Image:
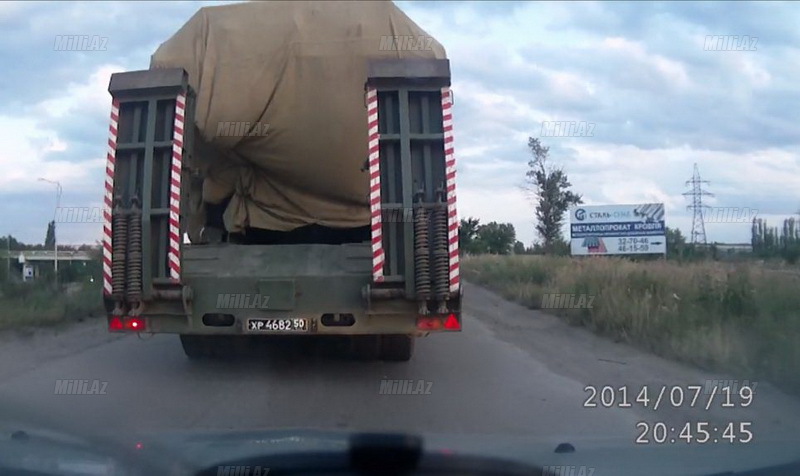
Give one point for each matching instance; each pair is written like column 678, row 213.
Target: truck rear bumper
column 326, row 287
column 367, row 325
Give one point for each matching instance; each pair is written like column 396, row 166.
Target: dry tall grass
column 36, row 304
column 741, row 318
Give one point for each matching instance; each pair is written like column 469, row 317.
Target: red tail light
column 115, row 323
column 429, row 323
column 438, row 323
column 120, row 323
column 134, row 324
column 452, row 323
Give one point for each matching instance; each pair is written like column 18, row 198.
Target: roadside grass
column 37, row 304
column 737, row 318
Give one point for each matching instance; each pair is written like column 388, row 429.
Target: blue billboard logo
column 580, row 214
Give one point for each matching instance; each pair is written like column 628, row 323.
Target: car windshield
column 502, row 226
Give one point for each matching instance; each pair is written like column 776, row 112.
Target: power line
column 697, row 207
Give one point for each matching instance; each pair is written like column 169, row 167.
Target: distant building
column 734, row 247
column 28, row 263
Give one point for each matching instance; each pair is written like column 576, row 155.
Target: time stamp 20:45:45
column 693, row 432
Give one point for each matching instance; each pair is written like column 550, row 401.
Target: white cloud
column 11, row 9
column 89, row 97
column 570, row 86
column 21, row 157
column 672, row 71
column 509, row 205
column 26, row 142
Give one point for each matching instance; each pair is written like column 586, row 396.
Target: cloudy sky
column 658, row 100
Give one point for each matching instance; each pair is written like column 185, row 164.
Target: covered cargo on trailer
column 280, row 112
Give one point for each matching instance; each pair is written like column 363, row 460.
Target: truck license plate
column 280, row 325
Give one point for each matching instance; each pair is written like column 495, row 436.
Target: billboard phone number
column 633, row 244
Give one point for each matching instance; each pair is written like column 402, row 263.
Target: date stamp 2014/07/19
column 675, row 396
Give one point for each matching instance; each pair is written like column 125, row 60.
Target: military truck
column 268, row 177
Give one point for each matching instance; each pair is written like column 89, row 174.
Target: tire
column 366, row 347
column 397, row 348
column 195, row 347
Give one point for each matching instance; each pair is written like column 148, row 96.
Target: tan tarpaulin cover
column 300, row 68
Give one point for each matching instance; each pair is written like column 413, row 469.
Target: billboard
column 618, row 229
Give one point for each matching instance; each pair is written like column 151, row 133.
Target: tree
column 519, row 248
column 769, row 242
column 13, row 245
column 497, row 238
column 549, row 186
column 676, row 243
column 50, row 238
column 468, row 236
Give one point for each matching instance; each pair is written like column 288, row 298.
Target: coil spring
column 119, row 236
column 422, row 265
column 134, row 280
column 441, row 261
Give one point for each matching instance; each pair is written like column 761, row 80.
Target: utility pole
column 55, row 215
column 697, row 207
